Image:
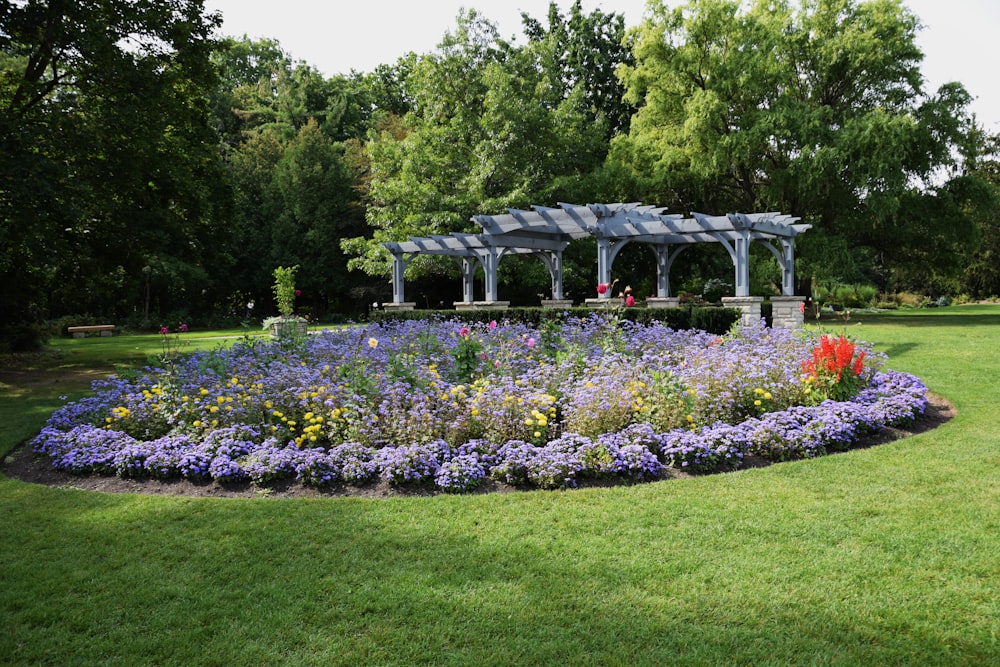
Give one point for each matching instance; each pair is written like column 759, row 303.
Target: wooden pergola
column 546, row 232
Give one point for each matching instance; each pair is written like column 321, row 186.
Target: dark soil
column 24, row 465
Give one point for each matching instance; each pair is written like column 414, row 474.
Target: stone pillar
column 748, row 305
column 787, row 312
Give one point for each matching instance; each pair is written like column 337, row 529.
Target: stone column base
column 404, row 305
column 663, row 302
column 482, row 305
column 748, row 305
column 604, row 303
column 787, row 312
column 557, row 303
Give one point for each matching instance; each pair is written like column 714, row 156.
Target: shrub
column 22, row 337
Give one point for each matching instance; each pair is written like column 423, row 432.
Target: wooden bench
column 102, row 329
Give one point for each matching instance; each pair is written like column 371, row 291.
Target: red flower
column 164, row 330
column 298, row 292
column 859, row 363
column 629, row 301
column 602, row 288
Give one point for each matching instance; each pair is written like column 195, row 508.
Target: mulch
column 24, row 465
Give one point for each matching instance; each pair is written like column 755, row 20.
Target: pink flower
column 629, row 301
column 184, row 328
column 802, row 307
column 463, row 332
column 482, row 355
column 530, row 342
column 164, row 330
column 602, row 288
column 493, row 325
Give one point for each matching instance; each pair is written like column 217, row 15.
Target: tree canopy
column 818, row 110
column 108, row 166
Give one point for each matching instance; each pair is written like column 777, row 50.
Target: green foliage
column 22, row 337
column 108, row 160
column 467, row 356
column 818, row 111
column 711, row 319
column 981, row 277
column 490, row 126
column 284, row 289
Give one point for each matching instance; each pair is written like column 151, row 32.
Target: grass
column 878, row 556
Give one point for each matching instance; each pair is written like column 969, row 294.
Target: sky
column 335, row 38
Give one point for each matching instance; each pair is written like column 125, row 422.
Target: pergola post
column 604, row 261
column 663, row 262
column 741, row 260
column 468, row 279
column 399, row 262
column 490, row 261
column 788, row 267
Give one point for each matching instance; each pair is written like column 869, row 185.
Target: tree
column 107, row 160
column 584, row 51
column 981, row 277
column 818, row 111
column 488, row 128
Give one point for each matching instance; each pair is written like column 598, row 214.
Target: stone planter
column 289, row 328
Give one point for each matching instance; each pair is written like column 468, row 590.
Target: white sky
column 958, row 41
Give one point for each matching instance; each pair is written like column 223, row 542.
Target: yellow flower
column 757, row 403
column 767, row 395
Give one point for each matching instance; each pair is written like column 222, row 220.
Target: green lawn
column 881, row 556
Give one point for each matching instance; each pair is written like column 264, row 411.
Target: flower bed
column 447, row 405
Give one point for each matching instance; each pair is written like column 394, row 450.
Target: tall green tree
column 489, row 127
column 582, row 51
column 817, row 110
column 981, row 277
column 284, row 127
column 110, row 189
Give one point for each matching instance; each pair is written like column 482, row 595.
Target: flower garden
column 445, row 405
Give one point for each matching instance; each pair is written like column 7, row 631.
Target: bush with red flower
column 835, row 368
